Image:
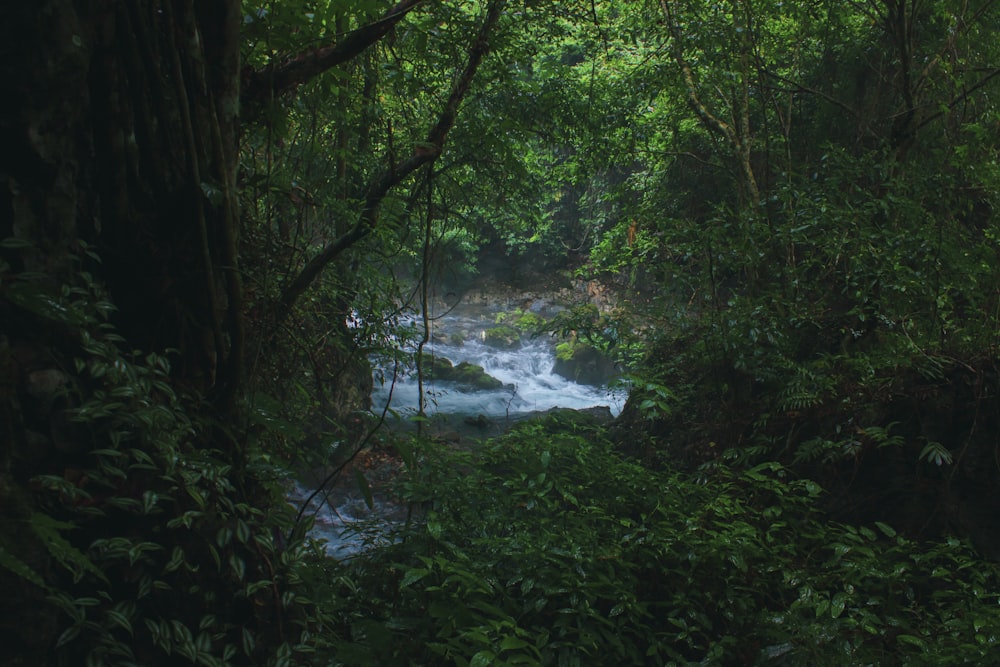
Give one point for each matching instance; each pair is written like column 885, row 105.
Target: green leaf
column 13, row 243
column 238, row 566
column 936, row 453
column 47, row 529
column 886, row 529
column 266, row 412
column 513, row 643
column 364, row 487
column 14, row 564
column 412, row 576
column 912, row 641
column 837, row 605
column 822, row 606
column 248, row 642
column 41, row 301
column 242, row 531
column 120, row 619
column 69, row 634
column 482, row 659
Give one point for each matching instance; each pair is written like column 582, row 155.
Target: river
column 525, row 369
column 342, row 518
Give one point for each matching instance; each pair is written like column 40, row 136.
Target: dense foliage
column 214, row 215
column 547, row 547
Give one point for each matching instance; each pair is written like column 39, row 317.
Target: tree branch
column 424, row 153
column 958, row 98
column 710, row 120
column 813, row 91
column 282, row 77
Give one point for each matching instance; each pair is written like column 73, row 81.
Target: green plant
column 150, row 541
column 548, row 547
column 524, row 321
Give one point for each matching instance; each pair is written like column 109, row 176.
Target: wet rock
column 468, row 375
column 585, row 364
column 561, row 420
column 479, row 421
column 45, row 383
column 473, row 375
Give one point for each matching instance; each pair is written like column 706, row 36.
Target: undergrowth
column 135, row 531
column 547, row 547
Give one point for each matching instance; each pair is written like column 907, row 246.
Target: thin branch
column 958, row 98
column 818, row 93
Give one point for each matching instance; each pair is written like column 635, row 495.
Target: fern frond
column 47, row 529
column 14, row 564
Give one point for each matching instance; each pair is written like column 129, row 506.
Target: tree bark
column 736, row 133
column 125, row 138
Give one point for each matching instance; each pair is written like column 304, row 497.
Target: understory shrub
column 548, row 548
column 136, row 531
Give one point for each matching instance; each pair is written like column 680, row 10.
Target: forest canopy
column 221, row 222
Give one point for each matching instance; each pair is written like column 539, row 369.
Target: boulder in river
column 467, row 374
column 583, row 363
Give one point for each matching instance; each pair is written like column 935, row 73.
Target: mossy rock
column 438, row 368
column 521, row 320
column 455, row 338
column 473, row 375
column 569, row 420
column 583, row 363
column 466, row 374
column 502, row 337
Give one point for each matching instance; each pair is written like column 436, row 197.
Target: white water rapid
column 526, row 371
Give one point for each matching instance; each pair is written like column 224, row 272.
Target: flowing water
column 343, row 519
column 526, row 371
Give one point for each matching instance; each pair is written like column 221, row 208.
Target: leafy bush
column 549, row 548
column 144, row 533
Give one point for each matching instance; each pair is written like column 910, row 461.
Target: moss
column 529, row 321
column 504, row 337
column 564, row 350
column 521, row 320
column 583, row 363
column 473, row 375
column 437, row 367
column 466, row 374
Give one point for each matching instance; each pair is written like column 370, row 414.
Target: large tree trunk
column 123, row 136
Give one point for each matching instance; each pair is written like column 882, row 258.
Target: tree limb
column 736, row 133
column 424, row 153
column 278, row 78
column 959, row 98
column 710, row 120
